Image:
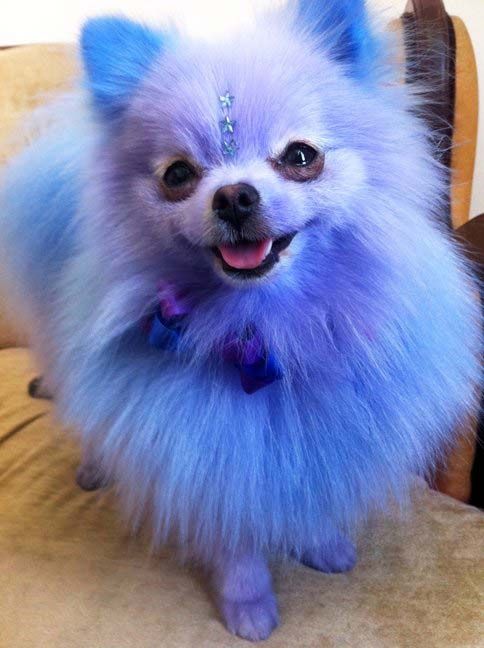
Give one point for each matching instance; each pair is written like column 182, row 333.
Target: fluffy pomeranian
column 230, row 260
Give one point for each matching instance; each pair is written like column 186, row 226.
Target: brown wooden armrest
column 440, row 60
column 472, row 235
column 463, row 472
column 430, row 54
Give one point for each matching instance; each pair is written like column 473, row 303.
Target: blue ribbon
column 260, row 374
column 164, row 333
column 258, row 367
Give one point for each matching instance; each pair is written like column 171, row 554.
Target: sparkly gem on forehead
column 227, row 125
column 229, row 148
column 226, row 100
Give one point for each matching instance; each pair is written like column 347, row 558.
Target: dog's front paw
column 334, row 557
column 244, row 595
column 253, row 620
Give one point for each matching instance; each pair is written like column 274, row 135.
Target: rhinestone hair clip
column 227, row 125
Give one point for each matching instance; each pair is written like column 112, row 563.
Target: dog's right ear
column 344, row 30
column 117, row 53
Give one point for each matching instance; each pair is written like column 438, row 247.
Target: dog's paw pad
column 337, row 557
column 251, row 620
column 89, row 477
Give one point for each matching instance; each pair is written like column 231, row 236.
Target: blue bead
column 161, row 336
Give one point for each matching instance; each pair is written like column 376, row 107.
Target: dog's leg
column 243, row 591
column 90, row 475
column 38, row 389
column 334, row 556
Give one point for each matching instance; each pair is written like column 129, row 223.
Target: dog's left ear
column 344, row 30
column 117, row 53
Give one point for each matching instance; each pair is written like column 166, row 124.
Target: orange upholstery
column 465, row 125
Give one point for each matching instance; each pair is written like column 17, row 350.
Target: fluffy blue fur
column 345, row 24
column 373, row 317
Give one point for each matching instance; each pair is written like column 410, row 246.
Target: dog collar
column 257, row 366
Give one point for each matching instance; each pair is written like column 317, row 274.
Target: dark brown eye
column 179, row 180
column 299, row 155
column 300, row 162
column 178, row 174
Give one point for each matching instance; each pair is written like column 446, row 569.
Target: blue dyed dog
column 230, row 261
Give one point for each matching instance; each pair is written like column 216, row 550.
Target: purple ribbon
column 257, row 366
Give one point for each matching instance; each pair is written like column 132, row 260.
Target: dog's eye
column 300, row 162
column 179, row 180
column 178, row 174
column 299, row 155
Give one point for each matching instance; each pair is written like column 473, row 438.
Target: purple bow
column 257, row 366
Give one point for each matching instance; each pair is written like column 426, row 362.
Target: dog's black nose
column 234, row 203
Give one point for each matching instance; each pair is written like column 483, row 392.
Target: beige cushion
column 29, row 75
column 72, row 577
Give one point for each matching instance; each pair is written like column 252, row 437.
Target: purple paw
column 335, row 557
column 90, row 477
column 244, row 595
column 251, row 620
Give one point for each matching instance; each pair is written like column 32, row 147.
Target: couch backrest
column 28, row 74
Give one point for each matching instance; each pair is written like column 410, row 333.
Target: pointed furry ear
column 117, row 53
column 344, row 30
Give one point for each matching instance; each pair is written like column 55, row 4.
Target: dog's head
column 240, row 156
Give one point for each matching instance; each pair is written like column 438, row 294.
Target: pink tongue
column 245, row 256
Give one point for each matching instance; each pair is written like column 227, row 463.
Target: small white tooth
column 268, row 248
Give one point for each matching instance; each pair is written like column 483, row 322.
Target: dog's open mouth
column 251, row 259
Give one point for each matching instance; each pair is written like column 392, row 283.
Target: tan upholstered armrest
column 465, row 125
column 28, row 76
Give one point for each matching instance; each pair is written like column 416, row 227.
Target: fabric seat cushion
column 72, row 576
